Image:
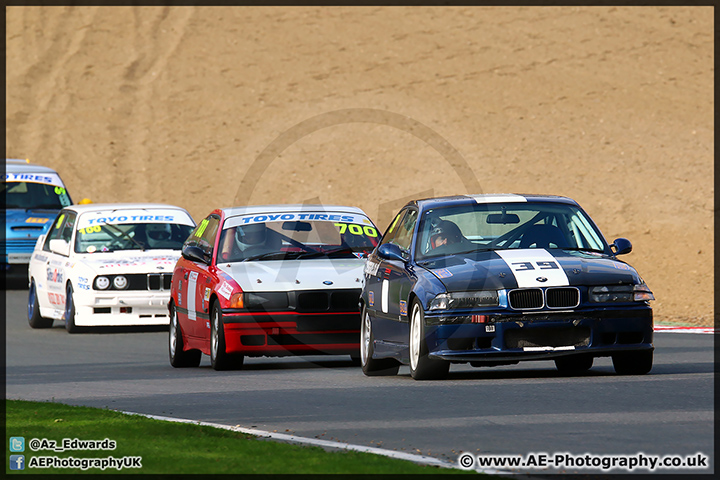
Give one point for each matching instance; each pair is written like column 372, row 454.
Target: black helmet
column 445, row 229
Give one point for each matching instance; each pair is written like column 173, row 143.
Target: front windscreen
column 34, row 196
column 297, row 236
column 500, row 226
column 131, row 236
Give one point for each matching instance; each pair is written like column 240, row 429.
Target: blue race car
column 495, row 279
column 33, row 196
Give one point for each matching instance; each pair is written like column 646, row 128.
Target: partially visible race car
column 496, row 279
column 106, row 265
column 32, row 195
column 270, row 280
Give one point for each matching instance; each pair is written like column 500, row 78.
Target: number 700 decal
column 541, row 265
column 357, row 229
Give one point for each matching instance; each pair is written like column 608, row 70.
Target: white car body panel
column 287, row 275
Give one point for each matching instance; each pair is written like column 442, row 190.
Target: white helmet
column 157, row 233
column 253, row 234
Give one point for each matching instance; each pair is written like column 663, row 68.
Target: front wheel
column 370, row 366
column 70, row 311
column 180, row 358
column 219, row 358
column 421, row 366
column 34, row 318
column 633, row 363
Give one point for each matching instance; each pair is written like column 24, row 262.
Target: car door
column 195, row 280
column 50, row 273
column 393, row 282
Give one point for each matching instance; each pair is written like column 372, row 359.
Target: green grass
column 168, row 447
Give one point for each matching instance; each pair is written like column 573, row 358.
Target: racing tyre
column 633, row 363
column 422, row 367
column 70, row 311
column 219, row 358
column 180, row 358
column 34, row 318
column 370, row 366
column 574, row 364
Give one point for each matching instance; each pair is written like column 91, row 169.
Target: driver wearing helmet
column 445, row 233
column 158, row 235
column 250, row 239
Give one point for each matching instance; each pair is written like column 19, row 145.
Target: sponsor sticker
column 297, row 216
column 442, row 273
column 225, row 290
column 46, row 178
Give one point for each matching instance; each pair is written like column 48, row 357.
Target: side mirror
column 390, row 251
column 621, row 246
column 194, row 254
column 59, row 246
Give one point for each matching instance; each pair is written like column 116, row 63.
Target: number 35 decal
column 541, row 265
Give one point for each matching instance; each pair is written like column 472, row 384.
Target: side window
column 67, row 228
column 393, row 229
column 56, row 229
column 405, row 230
column 204, row 234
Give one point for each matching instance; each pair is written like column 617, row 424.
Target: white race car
column 106, row 265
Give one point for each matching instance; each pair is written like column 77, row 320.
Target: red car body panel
column 288, row 331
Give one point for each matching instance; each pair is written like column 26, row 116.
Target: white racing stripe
column 190, row 295
column 531, row 265
column 498, row 198
column 384, row 296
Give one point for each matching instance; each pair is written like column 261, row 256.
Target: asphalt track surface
column 519, row 409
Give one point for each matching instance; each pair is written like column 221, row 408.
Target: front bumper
column 541, row 336
column 122, row 309
column 291, row 333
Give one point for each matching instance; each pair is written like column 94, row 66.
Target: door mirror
column 621, row 246
column 195, row 254
column 59, row 246
column 390, row 251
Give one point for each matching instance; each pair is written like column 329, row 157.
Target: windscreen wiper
column 265, row 256
column 124, row 234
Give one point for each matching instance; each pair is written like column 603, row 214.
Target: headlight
column 102, row 283
column 620, row 293
column 482, row 298
column 120, row 282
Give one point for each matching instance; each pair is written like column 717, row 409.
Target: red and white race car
column 270, row 280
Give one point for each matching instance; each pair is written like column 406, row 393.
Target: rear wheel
column 421, row 366
column 574, row 364
column 180, row 358
column 70, row 311
column 633, row 363
column 370, row 366
column 219, row 358
column 34, row 318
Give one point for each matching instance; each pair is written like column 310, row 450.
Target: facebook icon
column 17, row 462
